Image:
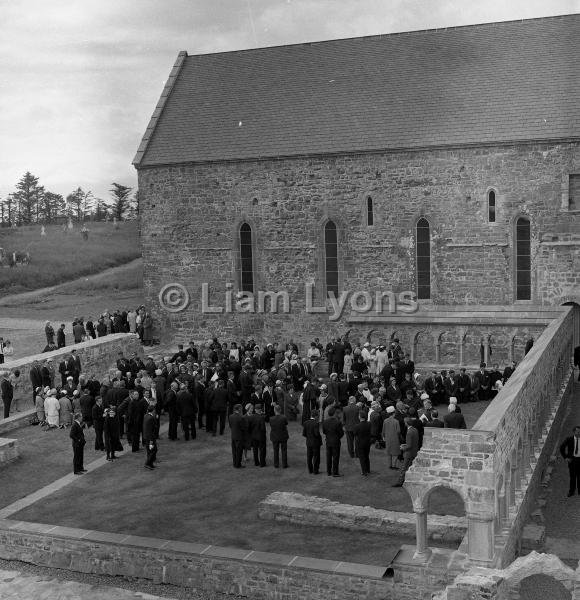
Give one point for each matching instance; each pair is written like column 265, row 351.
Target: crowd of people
column 377, row 399
column 137, row 321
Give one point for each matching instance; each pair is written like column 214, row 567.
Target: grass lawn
column 196, row 495
column 59, row 256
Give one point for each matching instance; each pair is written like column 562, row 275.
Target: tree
column 99, row 210
column 7, row 210
column 79, row 203
column 120, row 195
column 27, row 195
column 51, row 206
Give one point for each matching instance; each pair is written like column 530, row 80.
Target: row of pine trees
column 32, row 203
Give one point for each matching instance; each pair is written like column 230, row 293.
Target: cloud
column 81, row 78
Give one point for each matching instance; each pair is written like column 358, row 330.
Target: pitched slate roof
column 498, row 82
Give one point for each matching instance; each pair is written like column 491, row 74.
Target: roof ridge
column 379, row 36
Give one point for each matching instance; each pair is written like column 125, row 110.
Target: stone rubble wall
column 97, row 358
column 287, row 202
column 290, row 507
column 243, row 573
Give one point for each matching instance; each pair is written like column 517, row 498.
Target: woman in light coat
column 52, row 410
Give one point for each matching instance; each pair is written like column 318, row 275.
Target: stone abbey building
column 442, row 163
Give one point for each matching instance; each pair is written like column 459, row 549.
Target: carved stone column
column 480, row 538
column 422, row 551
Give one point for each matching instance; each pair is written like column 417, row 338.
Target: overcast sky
column 79, row 79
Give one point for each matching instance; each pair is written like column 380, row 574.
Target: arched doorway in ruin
column 541, row 587
column 445, row 505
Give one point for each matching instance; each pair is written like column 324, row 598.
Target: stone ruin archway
column 421, row 496
column 539, row 577
column 541, row 587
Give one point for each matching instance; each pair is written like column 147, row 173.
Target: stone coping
column 16, row 421
column 42, row 356
column 7, row 442
column 490, row 420
column 292, row 507
column 197, row 550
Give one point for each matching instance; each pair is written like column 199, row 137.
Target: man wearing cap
column 257, row 433
column 333, row 431
column 78, row 443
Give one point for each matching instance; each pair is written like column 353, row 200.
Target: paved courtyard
column 196, row 495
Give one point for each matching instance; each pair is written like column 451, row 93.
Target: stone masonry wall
column 97, row 358
column 256, row 575
column 191, row 216
column 290, row 507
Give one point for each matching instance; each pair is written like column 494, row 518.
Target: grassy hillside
column 58, row 256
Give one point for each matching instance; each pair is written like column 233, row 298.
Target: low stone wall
column 16, row 421
column 290, row 507
column 8, row 450
column 97, row 358
column 250, row 574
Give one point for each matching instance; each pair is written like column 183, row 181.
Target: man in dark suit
column 186, row 410
column 338, row 356
column 570, row 451
column 257, row 433
column 279, row 437
column 450, row 385
column 362, row 439
column 463, row 386
column 35, row 377
column 508, row 371
column 123, row 364
column 239, row 429
column 350, row 416
column 7, row 390
column 78, row 443
column 219, row 407
column 98, row 422
column 435, row 421
column 481, row 384
column 453, row 419
column 150, row 437
column 170, row 405
column 60, row 337
column 311, row 431
column 333, row 431
column 410, row 449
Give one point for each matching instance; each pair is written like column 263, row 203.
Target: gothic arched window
column 246, row 259
column 331, row 257
column 523, row 259
column 423, row 251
